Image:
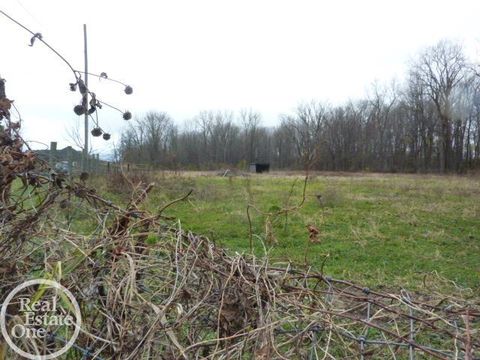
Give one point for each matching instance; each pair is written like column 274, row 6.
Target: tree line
column 429, row 123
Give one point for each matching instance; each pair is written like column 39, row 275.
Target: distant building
column 65, row 154
column 259, row 168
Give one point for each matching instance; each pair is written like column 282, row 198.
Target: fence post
column 313, row 351
column 2, row 88
column 412, row 335
column 97, row 163
column 468, row 343
column 69, row 160
column 363, row 338
column 52, row 154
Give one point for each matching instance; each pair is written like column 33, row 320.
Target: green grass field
column 378, row 230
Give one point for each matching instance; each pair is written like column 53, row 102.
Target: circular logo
column 42, row 314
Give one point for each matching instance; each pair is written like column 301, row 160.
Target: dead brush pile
column 149, row 290
column 124, row 183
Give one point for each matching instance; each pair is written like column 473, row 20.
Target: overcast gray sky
column 186, row 56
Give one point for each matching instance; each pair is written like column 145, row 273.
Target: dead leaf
column 313, row 234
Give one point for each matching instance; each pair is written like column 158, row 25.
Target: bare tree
column 149, row 139
column 306, row 126
column 432, row 123
column 250, row 122
column 75, row 136
column 441, row 68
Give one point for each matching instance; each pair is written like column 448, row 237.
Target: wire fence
column 381, row 325
column 406, row 341
column 69, row 161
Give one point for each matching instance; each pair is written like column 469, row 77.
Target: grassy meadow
column 375, row 229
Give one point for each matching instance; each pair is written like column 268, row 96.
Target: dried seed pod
column 106, row 136
column 127, row 115
column 81, row 86
column 128, row 90
column 93, row 100
column 96, row 132
column 79, row 110
column 73, row 87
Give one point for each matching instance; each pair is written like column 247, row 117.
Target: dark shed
column 259, row 168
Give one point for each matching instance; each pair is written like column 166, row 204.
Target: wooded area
column 430, row 123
